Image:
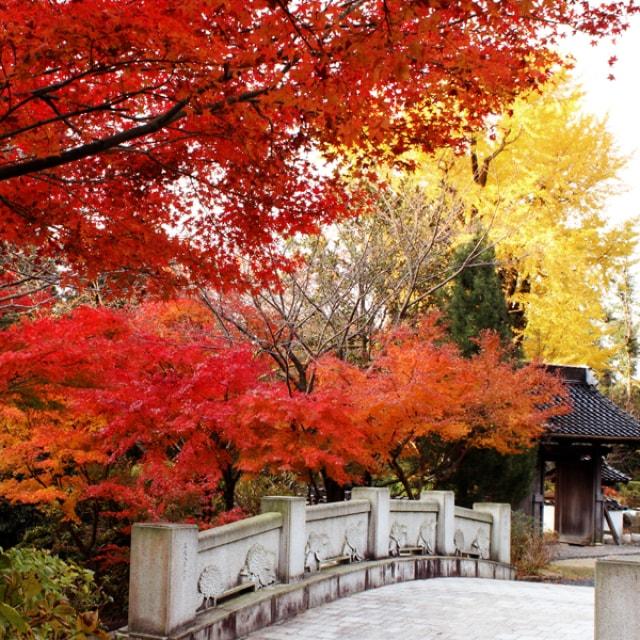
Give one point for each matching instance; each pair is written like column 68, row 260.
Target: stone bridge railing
column 227, row 581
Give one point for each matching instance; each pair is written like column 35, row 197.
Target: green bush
column 488, row 476
column 529, row 551
column 42, row 597
column 15, row 521
column 630, row 494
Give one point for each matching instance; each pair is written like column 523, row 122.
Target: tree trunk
column 335, row 491
column 230, row 477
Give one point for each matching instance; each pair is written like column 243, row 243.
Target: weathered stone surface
column 239, row 530
column 486, row 570
column 504, row 572
column 501, row 529
column 333, row 530
column 253, row 617
column 289, row 604
column 472, row 533
column 446, row 519
column 322, row 591
column 389, row 572
column 406, row 570
column 215, row 624
column 617, row 613
column 223, row 630
column 426, row 568
column 468, row 568
column 259, row 567
column 232, row 550
column 375, row 577
column 378, row 535
column 355, row 542
column 293, row 538
column 237, row 617
column 315, row 553
column 350, row 583
column 163, row 578
column 449, row 567
column 412, row 527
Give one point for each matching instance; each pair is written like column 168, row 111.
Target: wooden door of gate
column 577, row 494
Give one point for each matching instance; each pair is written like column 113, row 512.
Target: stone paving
column 448, row 609
column 563, row 551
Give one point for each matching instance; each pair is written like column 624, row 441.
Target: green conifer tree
column 476, row 303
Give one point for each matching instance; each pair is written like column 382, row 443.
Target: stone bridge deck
column 448, row 609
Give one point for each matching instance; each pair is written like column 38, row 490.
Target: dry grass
column 530, row 553
column 569, row 573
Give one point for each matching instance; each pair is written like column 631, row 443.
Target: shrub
column 529, row 551
column 630, row 495
column 486, row 475
column 15, row 521
column 250, row 489
column 43, row 597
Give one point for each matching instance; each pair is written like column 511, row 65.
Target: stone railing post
column 617, row 613
column 500, row 529
column 294, row 536
column 445, row 529
column 163, row 578
column 378, row 536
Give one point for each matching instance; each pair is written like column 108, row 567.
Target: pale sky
column 619, row 99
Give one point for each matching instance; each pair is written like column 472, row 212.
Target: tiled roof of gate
column 611, row 475
column 593, row 416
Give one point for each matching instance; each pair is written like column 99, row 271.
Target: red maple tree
column 148, row 413
column 166, row 141
column 71, row 390
column 419, row 387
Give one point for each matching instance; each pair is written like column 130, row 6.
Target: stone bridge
column 226, row 582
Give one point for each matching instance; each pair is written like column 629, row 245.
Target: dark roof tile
column 611, row 475
column 593, row 416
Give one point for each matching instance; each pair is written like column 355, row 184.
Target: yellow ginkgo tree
column 538, row 180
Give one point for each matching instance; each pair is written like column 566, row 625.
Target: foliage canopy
column 172, row 142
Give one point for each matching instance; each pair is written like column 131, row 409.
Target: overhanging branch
column 93, row 148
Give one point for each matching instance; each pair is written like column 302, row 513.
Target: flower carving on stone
column 315, row 551
column 426, row 537
column 458, row 542
column 481, row 544
column 352, row 542
column 259, row 567
column 397, row 538
column 211, row 584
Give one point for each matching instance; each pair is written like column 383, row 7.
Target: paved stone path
column 448, row 609
column 563, row 551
